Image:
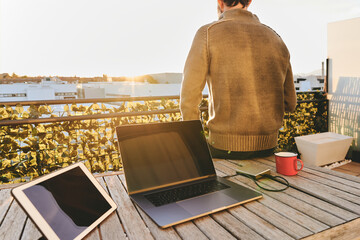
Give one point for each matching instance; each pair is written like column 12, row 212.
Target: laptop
column 170, row 174
column 65, row 204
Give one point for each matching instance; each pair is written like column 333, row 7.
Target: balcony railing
column 41, row 136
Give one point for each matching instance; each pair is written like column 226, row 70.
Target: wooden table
column 321, row 204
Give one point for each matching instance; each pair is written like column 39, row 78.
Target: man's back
column 247, row 68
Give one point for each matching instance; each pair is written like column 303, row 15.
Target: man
column 247, row 68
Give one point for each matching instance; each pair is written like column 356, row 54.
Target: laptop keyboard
column 185, row 192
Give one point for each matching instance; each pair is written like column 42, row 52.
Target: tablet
column 66, row 204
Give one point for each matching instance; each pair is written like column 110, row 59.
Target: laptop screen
column 163, row 153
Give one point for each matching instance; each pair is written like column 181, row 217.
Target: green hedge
column 31, row 150
column 309, row 118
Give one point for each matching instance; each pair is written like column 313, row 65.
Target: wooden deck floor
column 352, row 168
column 319, row 204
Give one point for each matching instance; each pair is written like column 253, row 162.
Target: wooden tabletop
column 320, row 204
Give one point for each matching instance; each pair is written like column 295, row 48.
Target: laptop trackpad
column 207, row 203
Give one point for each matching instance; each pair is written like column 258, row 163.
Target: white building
column 308, row 83
column 48, row 89
column 174, row 78
column 131, row 89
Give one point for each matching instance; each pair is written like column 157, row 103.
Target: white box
column 323, row 148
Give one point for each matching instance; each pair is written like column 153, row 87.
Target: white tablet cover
column 66, row 204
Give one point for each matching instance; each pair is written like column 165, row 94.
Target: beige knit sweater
column 247, row 68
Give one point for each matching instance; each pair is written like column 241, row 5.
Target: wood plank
column 323, row 205
column 332, row 183
column 157, row 232
column 13, row 224
column 93, row 235
column 313, row 200
column 111, row 227
column 220, row 174
column 345, row 171
column 298, row 211
column 105, row 174
column 302, row 207
column 134, row 226
column 30, row 231
column 344, row 199
column 236, row 227
column 347, row 231
column 333, row 178
column 227, row 172
column 281, row 222
column 189, row 231
column 334, row 196
column 212, row 229
column 123, row 181
column 302, row 201
column 10, row 185
column 5, row 201
column 327, row 182
column 221, row 166
column 291, row 214
column 352, row 167
column 335, row 173
column 262, row 227
column 324, row 170
column 171, row 232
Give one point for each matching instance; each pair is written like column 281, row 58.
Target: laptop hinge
column 173, row 184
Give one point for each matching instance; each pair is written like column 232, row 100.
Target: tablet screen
column 68, row 202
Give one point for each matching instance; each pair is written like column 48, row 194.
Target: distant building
column 308, row 83
column 130, row 89
column 167, row 77
column 88, row 91
column 50, row 88
column 10, row 80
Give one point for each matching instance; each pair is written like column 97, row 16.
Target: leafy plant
column 31, row 150
column 310, row 117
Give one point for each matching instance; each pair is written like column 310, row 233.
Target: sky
column 130, row 38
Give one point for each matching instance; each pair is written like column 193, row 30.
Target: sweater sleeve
column 289, row 91
column 194, row 78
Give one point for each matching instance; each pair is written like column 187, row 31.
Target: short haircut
column 231, row 3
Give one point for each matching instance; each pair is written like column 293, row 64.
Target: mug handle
column 302, row 164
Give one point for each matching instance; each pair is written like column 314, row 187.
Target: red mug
column 287, row 163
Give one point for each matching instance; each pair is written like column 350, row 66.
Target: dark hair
column 232, row 3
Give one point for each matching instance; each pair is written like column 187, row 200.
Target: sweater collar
column 239, row 14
